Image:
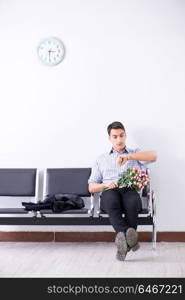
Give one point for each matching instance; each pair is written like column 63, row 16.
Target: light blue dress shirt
column 106, row 168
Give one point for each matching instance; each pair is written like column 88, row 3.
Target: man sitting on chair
column 114, row 200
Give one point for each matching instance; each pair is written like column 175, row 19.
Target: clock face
column 51, row 51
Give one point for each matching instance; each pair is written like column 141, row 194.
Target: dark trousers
column 117, row 201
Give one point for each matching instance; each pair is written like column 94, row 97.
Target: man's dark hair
column 115, row 125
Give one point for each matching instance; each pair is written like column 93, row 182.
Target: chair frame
column 91, row 218
column 66, row 214
column 18, row 217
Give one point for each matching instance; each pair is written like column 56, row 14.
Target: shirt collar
column 124, row 151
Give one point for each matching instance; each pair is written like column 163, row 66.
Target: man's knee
column 131, row 194
column 110, row 199
column 133, row 199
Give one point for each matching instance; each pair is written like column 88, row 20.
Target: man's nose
column 119, row 140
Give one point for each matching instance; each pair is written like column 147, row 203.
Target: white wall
column 124, row 61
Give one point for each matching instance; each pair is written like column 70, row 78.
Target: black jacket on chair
column 57, row 203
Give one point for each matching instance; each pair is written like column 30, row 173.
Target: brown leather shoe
column 121, row 244
column 132, row 239
column 136, row 247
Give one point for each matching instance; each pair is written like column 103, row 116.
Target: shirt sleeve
column 142, row 162
column 96, row 175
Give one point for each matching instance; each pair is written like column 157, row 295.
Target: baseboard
column 25, row 236
column 42, row 236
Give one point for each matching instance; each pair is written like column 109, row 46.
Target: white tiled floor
column 90, row 260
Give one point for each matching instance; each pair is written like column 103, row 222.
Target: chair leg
column 154, row 236
column 154, row 232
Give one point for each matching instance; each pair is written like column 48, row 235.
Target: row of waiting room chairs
column 24, row 182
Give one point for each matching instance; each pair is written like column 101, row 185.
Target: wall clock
column 51, row 51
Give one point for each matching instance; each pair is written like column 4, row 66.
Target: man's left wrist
column 128, row 157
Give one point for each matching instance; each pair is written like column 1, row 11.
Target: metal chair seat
column 67, row 211
column 13, row 211
column 144, row 211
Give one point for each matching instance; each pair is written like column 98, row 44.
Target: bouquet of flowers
column 133, row 178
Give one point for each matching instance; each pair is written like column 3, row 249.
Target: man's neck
column 120, row 150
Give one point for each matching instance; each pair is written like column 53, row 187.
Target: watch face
column 51, row 51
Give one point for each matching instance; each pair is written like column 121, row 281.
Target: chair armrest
column 150, row 195
column 92, row 205
column 151, row 198
column 98, row 208
column 94, row 198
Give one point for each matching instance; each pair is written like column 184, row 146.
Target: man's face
column 117, row 137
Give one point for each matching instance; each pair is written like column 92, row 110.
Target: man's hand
column 100, row 187
column 122, row 159
column 110, row 185
column 143, row 156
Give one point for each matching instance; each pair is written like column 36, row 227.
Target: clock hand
column 50, row 51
